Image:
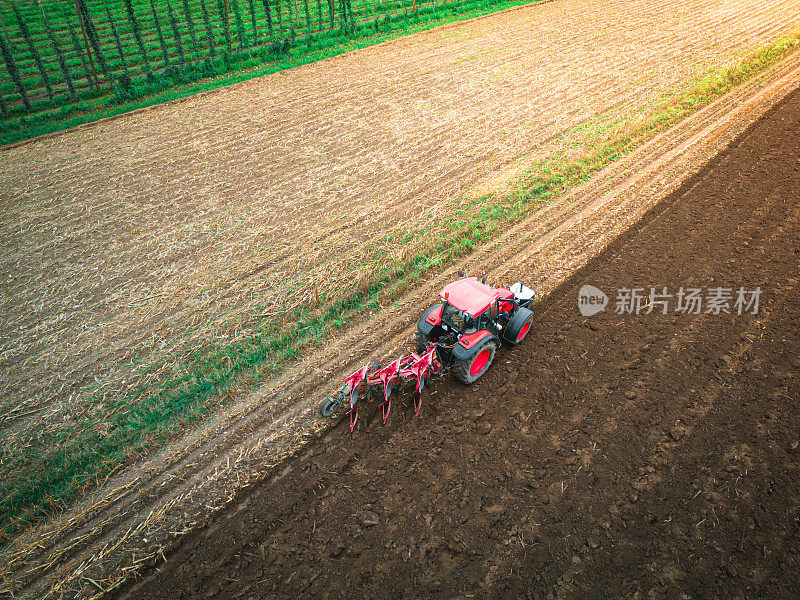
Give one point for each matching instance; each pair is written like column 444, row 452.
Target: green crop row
column 63, row 58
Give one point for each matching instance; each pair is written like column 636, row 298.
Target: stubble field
column 650, row 454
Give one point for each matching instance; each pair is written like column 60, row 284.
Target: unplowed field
column 618, row 456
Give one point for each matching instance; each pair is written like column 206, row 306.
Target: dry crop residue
column 170, row 230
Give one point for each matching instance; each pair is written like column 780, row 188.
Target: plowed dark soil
column 617, row 456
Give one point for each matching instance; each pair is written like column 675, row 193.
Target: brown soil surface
column 620, row 456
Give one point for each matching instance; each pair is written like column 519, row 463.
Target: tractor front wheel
column 518, row 326
column 469, row 370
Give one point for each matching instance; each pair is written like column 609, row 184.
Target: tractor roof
column 470, row 295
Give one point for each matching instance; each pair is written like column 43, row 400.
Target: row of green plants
column 152, row 418
column 78, row 56
column 92, row 42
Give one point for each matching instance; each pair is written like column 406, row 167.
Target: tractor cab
column 469, row 304
column 458, row 320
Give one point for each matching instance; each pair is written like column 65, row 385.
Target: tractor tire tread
column 461, row 368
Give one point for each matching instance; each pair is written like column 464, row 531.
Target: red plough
column 376, row 379
column 351, row 386
column 386, row 376
column 462, row 332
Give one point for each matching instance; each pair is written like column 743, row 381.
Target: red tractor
column 463, row 331
column 469, row 323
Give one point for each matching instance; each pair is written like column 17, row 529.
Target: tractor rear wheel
column 469, row 370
